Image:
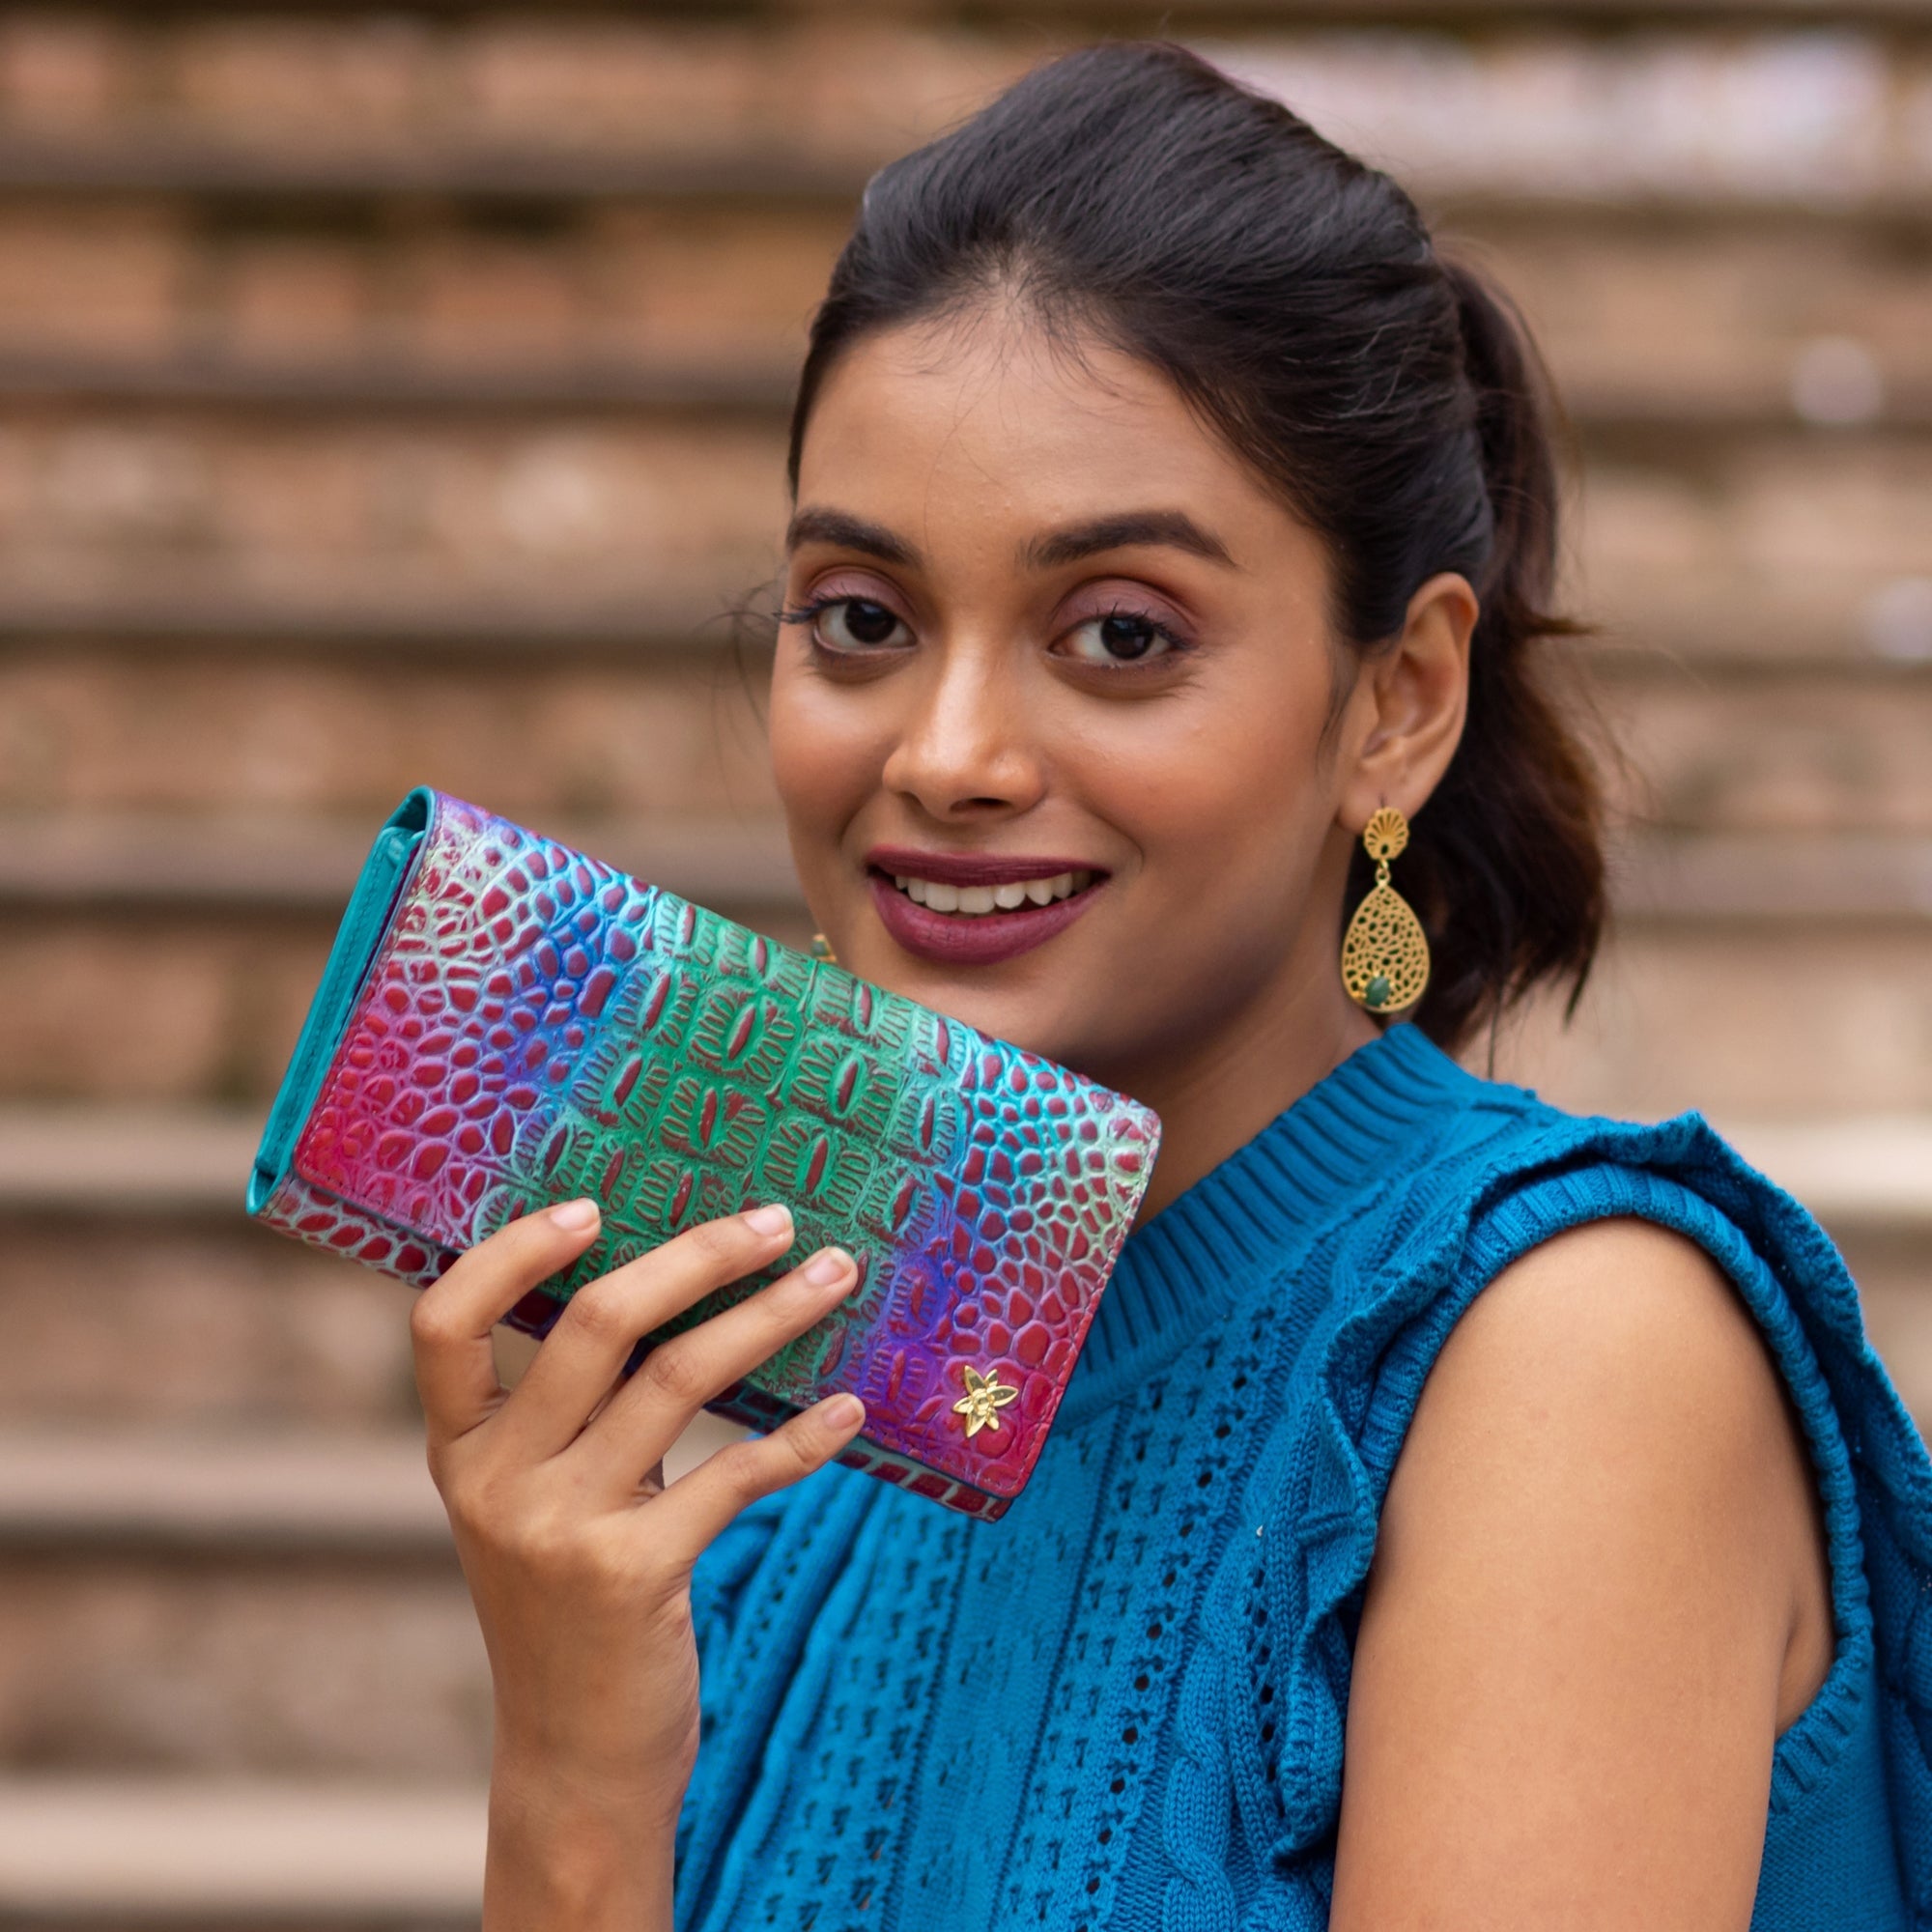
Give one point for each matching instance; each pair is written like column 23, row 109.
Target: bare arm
column 1599, row 1593
column 576, row 1554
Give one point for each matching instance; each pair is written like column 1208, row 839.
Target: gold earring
column 821, row 948
column 1385, row 952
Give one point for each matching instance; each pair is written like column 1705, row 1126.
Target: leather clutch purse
column 504, row 1023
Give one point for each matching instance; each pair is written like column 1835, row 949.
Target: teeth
column 976, row 901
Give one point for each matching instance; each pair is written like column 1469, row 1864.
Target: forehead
column 989, row 418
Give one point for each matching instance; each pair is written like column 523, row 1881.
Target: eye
column 850, row 624
column 1121, row 637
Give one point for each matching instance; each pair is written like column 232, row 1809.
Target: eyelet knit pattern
column 1121, row 1707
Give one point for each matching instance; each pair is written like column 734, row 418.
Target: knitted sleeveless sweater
column 1122, row 1705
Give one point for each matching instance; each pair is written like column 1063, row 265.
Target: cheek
column 1219, row 790
column 823, row 761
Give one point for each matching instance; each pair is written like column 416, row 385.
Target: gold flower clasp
column 985, row 1396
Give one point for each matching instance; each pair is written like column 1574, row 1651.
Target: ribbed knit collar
column 1186, row 1266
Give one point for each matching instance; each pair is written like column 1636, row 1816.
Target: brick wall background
column 397, row 396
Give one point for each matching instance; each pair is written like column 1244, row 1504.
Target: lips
column 1010, row 904
column 968, row 868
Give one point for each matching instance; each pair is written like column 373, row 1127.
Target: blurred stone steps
column 273, row 863
column 133, row 1292
column 106, row 1489
column 216, row 1598
column 365, row 513
column 577, row 107
column 1810, row 544
column 1791, row 751
column 222, row 744
column 1818, row 378
column 173, row 959
column 1663, row 597
column 234, row 1492
column 1696, row 325
column 226, row 618
column 105, row 1853
column 1740, row 1019
column 1823, row 379
column 279, row 756
column 1871, row 621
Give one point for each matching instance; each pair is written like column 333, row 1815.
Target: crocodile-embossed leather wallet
column 504, row 1023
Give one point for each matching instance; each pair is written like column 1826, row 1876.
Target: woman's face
column 1051, row 750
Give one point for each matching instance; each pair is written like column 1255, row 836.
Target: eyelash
column 1177, row 646
column 816, row 607
column 813, row 608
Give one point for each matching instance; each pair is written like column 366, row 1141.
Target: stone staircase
column 398, row 396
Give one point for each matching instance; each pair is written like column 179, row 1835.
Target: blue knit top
column 1121, row 1706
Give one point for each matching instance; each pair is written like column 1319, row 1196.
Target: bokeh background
column 397, row 396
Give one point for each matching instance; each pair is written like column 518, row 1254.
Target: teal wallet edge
column 384, row 873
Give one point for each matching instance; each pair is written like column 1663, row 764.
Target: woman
column 1166, row 514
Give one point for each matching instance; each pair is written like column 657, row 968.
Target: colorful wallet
column 504, row 1023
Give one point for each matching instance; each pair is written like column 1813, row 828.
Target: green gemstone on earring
column 1377, row 992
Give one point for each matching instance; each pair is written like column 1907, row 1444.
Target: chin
column 1039, row 1018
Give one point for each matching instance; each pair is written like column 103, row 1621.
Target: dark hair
column 1292, row 295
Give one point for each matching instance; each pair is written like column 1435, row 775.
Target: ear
column 1403, row 718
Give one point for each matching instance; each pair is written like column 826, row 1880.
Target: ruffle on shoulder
column 1397, row 1296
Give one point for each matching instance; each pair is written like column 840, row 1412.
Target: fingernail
column 574, row 1214
column 772, row 1219
column 840, row 1411
column 828, row 1265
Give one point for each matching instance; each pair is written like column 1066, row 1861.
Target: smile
column 982, row 901
column 977, row 909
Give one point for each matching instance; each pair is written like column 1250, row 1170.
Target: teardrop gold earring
column 821, row 948
column 1385, row 952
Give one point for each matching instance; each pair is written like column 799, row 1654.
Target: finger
column 450, row 1324
column 692, row 1512
column 648, row 1412
column 603, row 1320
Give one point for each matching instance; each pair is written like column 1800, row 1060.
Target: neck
column 1215, row 1090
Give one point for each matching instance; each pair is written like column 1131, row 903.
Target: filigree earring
column 1385, row 952
column 821, row 948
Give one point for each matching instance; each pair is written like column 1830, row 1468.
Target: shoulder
column 1618, row 1332
column 1578, row 1625
column 1609, row 1387
column 1606, row 1405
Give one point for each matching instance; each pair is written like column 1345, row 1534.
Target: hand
column 576, row 1554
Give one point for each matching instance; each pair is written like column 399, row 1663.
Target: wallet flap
column 383, row 878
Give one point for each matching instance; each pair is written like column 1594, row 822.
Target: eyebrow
column 1172, row 530
column 835, row 527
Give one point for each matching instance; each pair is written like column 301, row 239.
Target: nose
column 965, row 749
